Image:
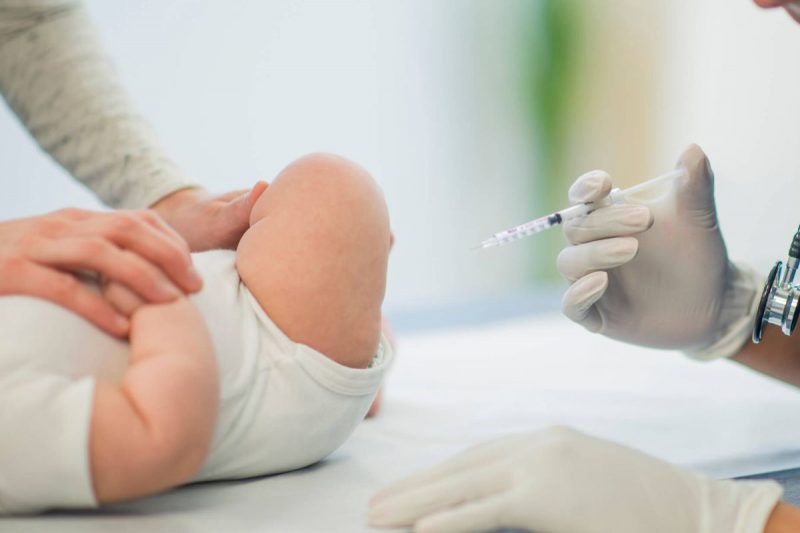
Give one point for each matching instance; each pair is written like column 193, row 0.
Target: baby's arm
column 152, row 430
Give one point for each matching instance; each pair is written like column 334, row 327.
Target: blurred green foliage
column 551, row 63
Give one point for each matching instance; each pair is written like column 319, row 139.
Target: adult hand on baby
column 208, row 222
column 561, row 481
column 657, row 273
column 124, row 300
column 39, row 256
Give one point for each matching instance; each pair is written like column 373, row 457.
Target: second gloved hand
column 656, row 272
column 561, row 481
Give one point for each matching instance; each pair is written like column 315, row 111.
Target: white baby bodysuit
column 283, row 405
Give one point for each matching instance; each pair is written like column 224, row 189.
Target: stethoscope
column 779, row 300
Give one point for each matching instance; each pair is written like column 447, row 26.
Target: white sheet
column 453, row 388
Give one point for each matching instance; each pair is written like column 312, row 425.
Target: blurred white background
column 431, row 97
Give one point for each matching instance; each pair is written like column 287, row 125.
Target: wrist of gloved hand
column 742, row 294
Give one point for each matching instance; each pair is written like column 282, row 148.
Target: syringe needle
column 548, row 221
column 488, row 243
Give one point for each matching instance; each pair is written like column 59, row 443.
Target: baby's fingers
column 578, row 302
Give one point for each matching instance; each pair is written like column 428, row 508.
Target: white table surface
column 454, row 387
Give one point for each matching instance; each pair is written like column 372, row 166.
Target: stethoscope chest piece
column 779, row 299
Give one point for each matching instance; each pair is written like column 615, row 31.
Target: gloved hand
column 656, row 273
column 561, row 481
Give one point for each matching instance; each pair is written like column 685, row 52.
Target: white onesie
column 283, row 405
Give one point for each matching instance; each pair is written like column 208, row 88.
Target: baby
column 268, row 369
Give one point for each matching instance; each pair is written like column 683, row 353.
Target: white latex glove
column 561, row 481
column 656, row 273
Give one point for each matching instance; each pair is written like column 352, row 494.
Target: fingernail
column 591, row 284
column 195, row 277
column 122, row 324
column 167, row 290
column 254, row 188
column 586, row 187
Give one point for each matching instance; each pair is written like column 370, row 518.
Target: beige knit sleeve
column 56, row 78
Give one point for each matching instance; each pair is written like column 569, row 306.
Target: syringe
column 553, row 219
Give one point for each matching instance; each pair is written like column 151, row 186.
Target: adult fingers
column 574, row 262
column 407, row 507
column 793, row 8
column 193, row 281
column 255, row 193
column 123, row 299
column 137, row 232
column 152, row 218
column 228, row 217
column 233, row 195
column 578, row 301
column 696, row 191
column 98, row 255
column 612, row 221
column 482, row 515
column 476, row 456
column 62, row 289
column 590, row 187
column 257, row 190
column 241, row 204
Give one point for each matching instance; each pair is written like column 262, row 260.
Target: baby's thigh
column 316, row 256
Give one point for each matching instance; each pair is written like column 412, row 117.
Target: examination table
column 459, row 381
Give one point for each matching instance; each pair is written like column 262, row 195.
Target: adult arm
column 57, row 79
column 776, row 355
column 153, row 430
column 784, row 518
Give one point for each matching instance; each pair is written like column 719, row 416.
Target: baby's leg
column 315, row 256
